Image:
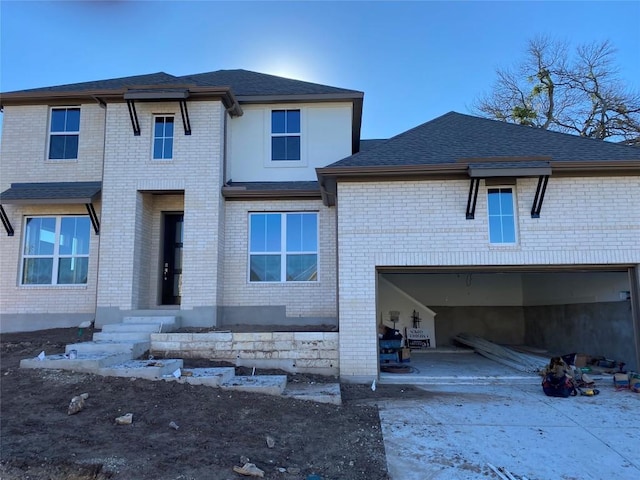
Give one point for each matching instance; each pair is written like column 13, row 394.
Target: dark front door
column 172, row 259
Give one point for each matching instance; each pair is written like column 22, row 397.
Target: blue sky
column 414, row 60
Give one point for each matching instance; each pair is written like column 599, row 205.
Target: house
column 235, row 197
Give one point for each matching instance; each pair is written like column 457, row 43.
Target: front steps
column 117, row 349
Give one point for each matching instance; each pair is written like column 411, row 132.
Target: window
column 56, row 250
column 285, row 135
column 283, row 247
column 64, row 131
column 502, row 225
column 163, row 138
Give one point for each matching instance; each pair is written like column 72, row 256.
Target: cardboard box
column 582, row 360
column 405, row 355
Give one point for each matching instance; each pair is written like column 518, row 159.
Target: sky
column 414, row 61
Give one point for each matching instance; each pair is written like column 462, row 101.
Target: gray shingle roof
column 247, row 83
column 242, row 82
column 159, row 78
column 51, row 192
column 455, row 136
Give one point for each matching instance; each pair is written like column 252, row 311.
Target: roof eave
column 240, row 193
column 328, row 177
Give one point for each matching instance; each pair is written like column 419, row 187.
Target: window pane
column 73, row 270
column 158, row 130
column 508, row 229
column 70, row 146
column 294, row 232
column 74, row 236
column 264, row 268
column 157, row 148
column 495, row 229
column 168, row 127
column 494, row 201
column 302, row 232
column 293, row 148
column 265, row 232
column 302, row 268
column 310, row 232
column 56, row 147
column 168, row 148
column 40, row 236
column 278, row 148
column 73, row 120
column 37, row 271
column 293, row 121
column 278, row 121
column 506, row 201
column 58, row 120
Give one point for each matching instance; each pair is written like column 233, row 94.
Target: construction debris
column 126, row 419
column 270, row 441
column 174, row 425
column 77, row 403
column 504, row 355
column 249, row 469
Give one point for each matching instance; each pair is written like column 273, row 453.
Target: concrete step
column 314, row 392
column 211, row 377
column 154, row 319
column 132, row 327
column 147, row 369
column 265, row 384
column 134, row 349
column 121, row 336
column 86, row 362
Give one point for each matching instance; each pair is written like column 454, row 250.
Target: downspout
column 634, row 283
column 103, row 105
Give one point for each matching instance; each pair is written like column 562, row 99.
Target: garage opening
column 553, row 310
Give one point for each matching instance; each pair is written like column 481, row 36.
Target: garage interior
column 559, row 310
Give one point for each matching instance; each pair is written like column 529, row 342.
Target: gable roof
column 455, row 145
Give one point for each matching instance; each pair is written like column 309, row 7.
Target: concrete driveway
column 461, row 431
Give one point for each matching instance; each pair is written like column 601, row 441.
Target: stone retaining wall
column 296, row 352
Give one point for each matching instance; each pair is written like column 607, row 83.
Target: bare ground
column 39, row 440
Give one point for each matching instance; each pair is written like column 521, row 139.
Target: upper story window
column 283, row 247
column 55, row 250
column 285, row 135
column 502, row 221
column 163, row 138
column 64, row 131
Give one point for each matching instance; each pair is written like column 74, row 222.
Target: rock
column 126, row 419
column 249, row 469
column 270, row 441
column 76, row 404
column 244, row 460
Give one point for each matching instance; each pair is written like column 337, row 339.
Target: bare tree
column 552, row 89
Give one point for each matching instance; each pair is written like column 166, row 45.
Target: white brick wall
column 131, row 218
column 585, row 221
column 311, row 299
column 23, row 160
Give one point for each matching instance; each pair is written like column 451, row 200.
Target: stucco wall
column 325, row 138
column 304, row 352
column 584, row 221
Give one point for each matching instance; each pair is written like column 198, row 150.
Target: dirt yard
column 217, row 429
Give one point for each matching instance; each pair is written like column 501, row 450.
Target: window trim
column 65, row 132
column 283, row 252
column 164, row 138
column 56, row 255
column 269, row 162
column 512, row 189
